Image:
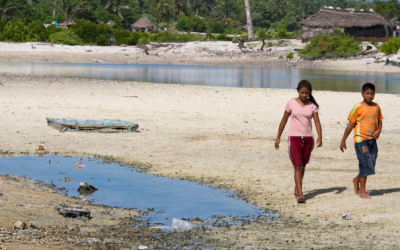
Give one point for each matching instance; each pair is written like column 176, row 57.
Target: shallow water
column 121, row 186
column 243, row 77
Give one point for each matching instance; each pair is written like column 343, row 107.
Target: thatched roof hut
column 66, row 24
column 363, row 25
column 143, row 24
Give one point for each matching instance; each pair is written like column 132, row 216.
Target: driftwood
column 241, row 45
column 263, row 41
column 144, row 47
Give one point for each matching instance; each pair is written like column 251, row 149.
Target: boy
column 366, row 119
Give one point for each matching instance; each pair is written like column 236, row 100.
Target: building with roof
column 143, row 24
column 362, row 25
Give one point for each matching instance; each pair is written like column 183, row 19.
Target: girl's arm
column 348, row 130
column 281, row 128
column 319, row 129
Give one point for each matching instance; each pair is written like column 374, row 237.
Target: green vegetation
column 324, row 46
column 21, row 20
column 391, row 46
column 290, row 56
column 66, row 37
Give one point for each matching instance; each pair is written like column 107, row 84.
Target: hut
column 143, row 24
column 363, row 25
column 66, row 24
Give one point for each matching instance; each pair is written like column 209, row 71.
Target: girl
column 300, row 141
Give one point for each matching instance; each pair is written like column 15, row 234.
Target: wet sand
column 216, row 135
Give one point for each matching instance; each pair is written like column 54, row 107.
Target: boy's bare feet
column 356, row 186
column 365, row 196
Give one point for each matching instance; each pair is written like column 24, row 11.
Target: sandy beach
column 217, row 135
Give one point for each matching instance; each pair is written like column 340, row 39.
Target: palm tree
column 70, row 8
column 162, row 9
column 177, row 6
column 250, row 31
column 8, row 8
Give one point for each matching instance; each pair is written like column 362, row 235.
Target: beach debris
column 69, row 211
column 142, row 247
column 181, row 225
column 89, row 50
column 41, row 151
column 104, row 125
column 97, row 60
column 85, row 190
column 346, row 217
column 85, row 186
column 369, row 49
column 79, row 165
column 20, row 225
column 66, row 179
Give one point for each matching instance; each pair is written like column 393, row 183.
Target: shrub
column 161, row 37
column 3, row 22
column 37, row 32
column 223, row 37
column 217, row 28
column 123, row 36
column 391, row 46
column 92, row 33
column 290, row 56
column 66, row 37
column 15, row 31
column 144, row 40
column 324, row 46
column 183, row 24
column 197, row 24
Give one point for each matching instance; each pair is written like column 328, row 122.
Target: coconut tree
column 70, row 8
column 250, row 31
column 163, row 9
column 177, row 7
column 9, row 8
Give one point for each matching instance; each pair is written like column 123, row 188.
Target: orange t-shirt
column 366, row 119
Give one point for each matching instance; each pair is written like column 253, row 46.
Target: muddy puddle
column 163, row 201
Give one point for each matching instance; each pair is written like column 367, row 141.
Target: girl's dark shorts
column 367, row 152
column 300, row 148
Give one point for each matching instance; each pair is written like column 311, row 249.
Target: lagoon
column 241, row 77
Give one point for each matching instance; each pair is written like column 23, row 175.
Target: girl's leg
column 298, row 180
column 363, row 191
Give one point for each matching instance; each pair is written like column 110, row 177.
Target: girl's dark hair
column 307, row 84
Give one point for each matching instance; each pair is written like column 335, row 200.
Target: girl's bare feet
column 356, row 183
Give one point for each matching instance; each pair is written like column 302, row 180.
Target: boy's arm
column 281, row 128
column 319, row 129
column 348, row 130
column 377, row 133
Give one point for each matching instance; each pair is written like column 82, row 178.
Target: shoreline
column 222, row 136
column 192, row 53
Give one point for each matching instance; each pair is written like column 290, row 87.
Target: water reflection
column 285, row 78
column 119, row 186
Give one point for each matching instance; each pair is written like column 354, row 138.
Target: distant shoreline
column 191, row 53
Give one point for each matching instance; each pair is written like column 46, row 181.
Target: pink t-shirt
column 300, row 118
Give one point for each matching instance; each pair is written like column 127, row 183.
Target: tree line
column 189, row 15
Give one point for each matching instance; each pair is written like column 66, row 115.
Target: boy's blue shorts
column 367, row 152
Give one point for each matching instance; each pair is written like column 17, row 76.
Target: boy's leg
column 363, row 191
column 356, row 183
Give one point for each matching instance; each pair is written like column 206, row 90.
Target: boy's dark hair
column 307, row 84
column 367, row 86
